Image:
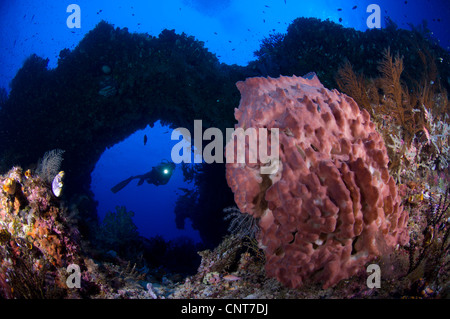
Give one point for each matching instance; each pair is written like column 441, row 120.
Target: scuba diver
column 159, row 175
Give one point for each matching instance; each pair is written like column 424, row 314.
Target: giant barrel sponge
column 331, row 207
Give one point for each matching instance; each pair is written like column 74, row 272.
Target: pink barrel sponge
column 331, row 207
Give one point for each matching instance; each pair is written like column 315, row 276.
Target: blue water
column 232, row 29
column 153, row 205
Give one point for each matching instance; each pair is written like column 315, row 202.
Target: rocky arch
column 112, row 84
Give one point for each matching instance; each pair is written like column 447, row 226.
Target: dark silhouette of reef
column 322, row 46
column 115, row 82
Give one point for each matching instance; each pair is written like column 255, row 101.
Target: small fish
column 339, row 9
column 429, row 235
column 340, row 19
column 57, row 184
column 354, row 7
column 231, row 278
column 28, row 173
column 145, row 139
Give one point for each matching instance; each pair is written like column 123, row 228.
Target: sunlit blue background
column 232, row 29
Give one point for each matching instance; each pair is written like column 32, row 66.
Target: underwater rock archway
column 111, row 85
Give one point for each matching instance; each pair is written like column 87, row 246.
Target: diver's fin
column 121, row 185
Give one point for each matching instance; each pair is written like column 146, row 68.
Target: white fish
column 58, row 184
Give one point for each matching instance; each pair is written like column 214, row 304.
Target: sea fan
column 354, row 85
column 49, row 165
column 391, row 71
column 241, row 224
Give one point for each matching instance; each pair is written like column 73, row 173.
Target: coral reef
column 428, row 250
column 331, row 207
column 234, row 269
column 40, row 238
column 241, row 225
column 36, row 244
column 48, row 166
column 413, row 120
column 411, row 113
column 120, row 82
column 141, row 74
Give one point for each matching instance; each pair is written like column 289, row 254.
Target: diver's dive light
column 166, row 168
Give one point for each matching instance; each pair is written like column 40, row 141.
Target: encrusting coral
column 36, row 243
column 39, row 239
column 331, row 207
